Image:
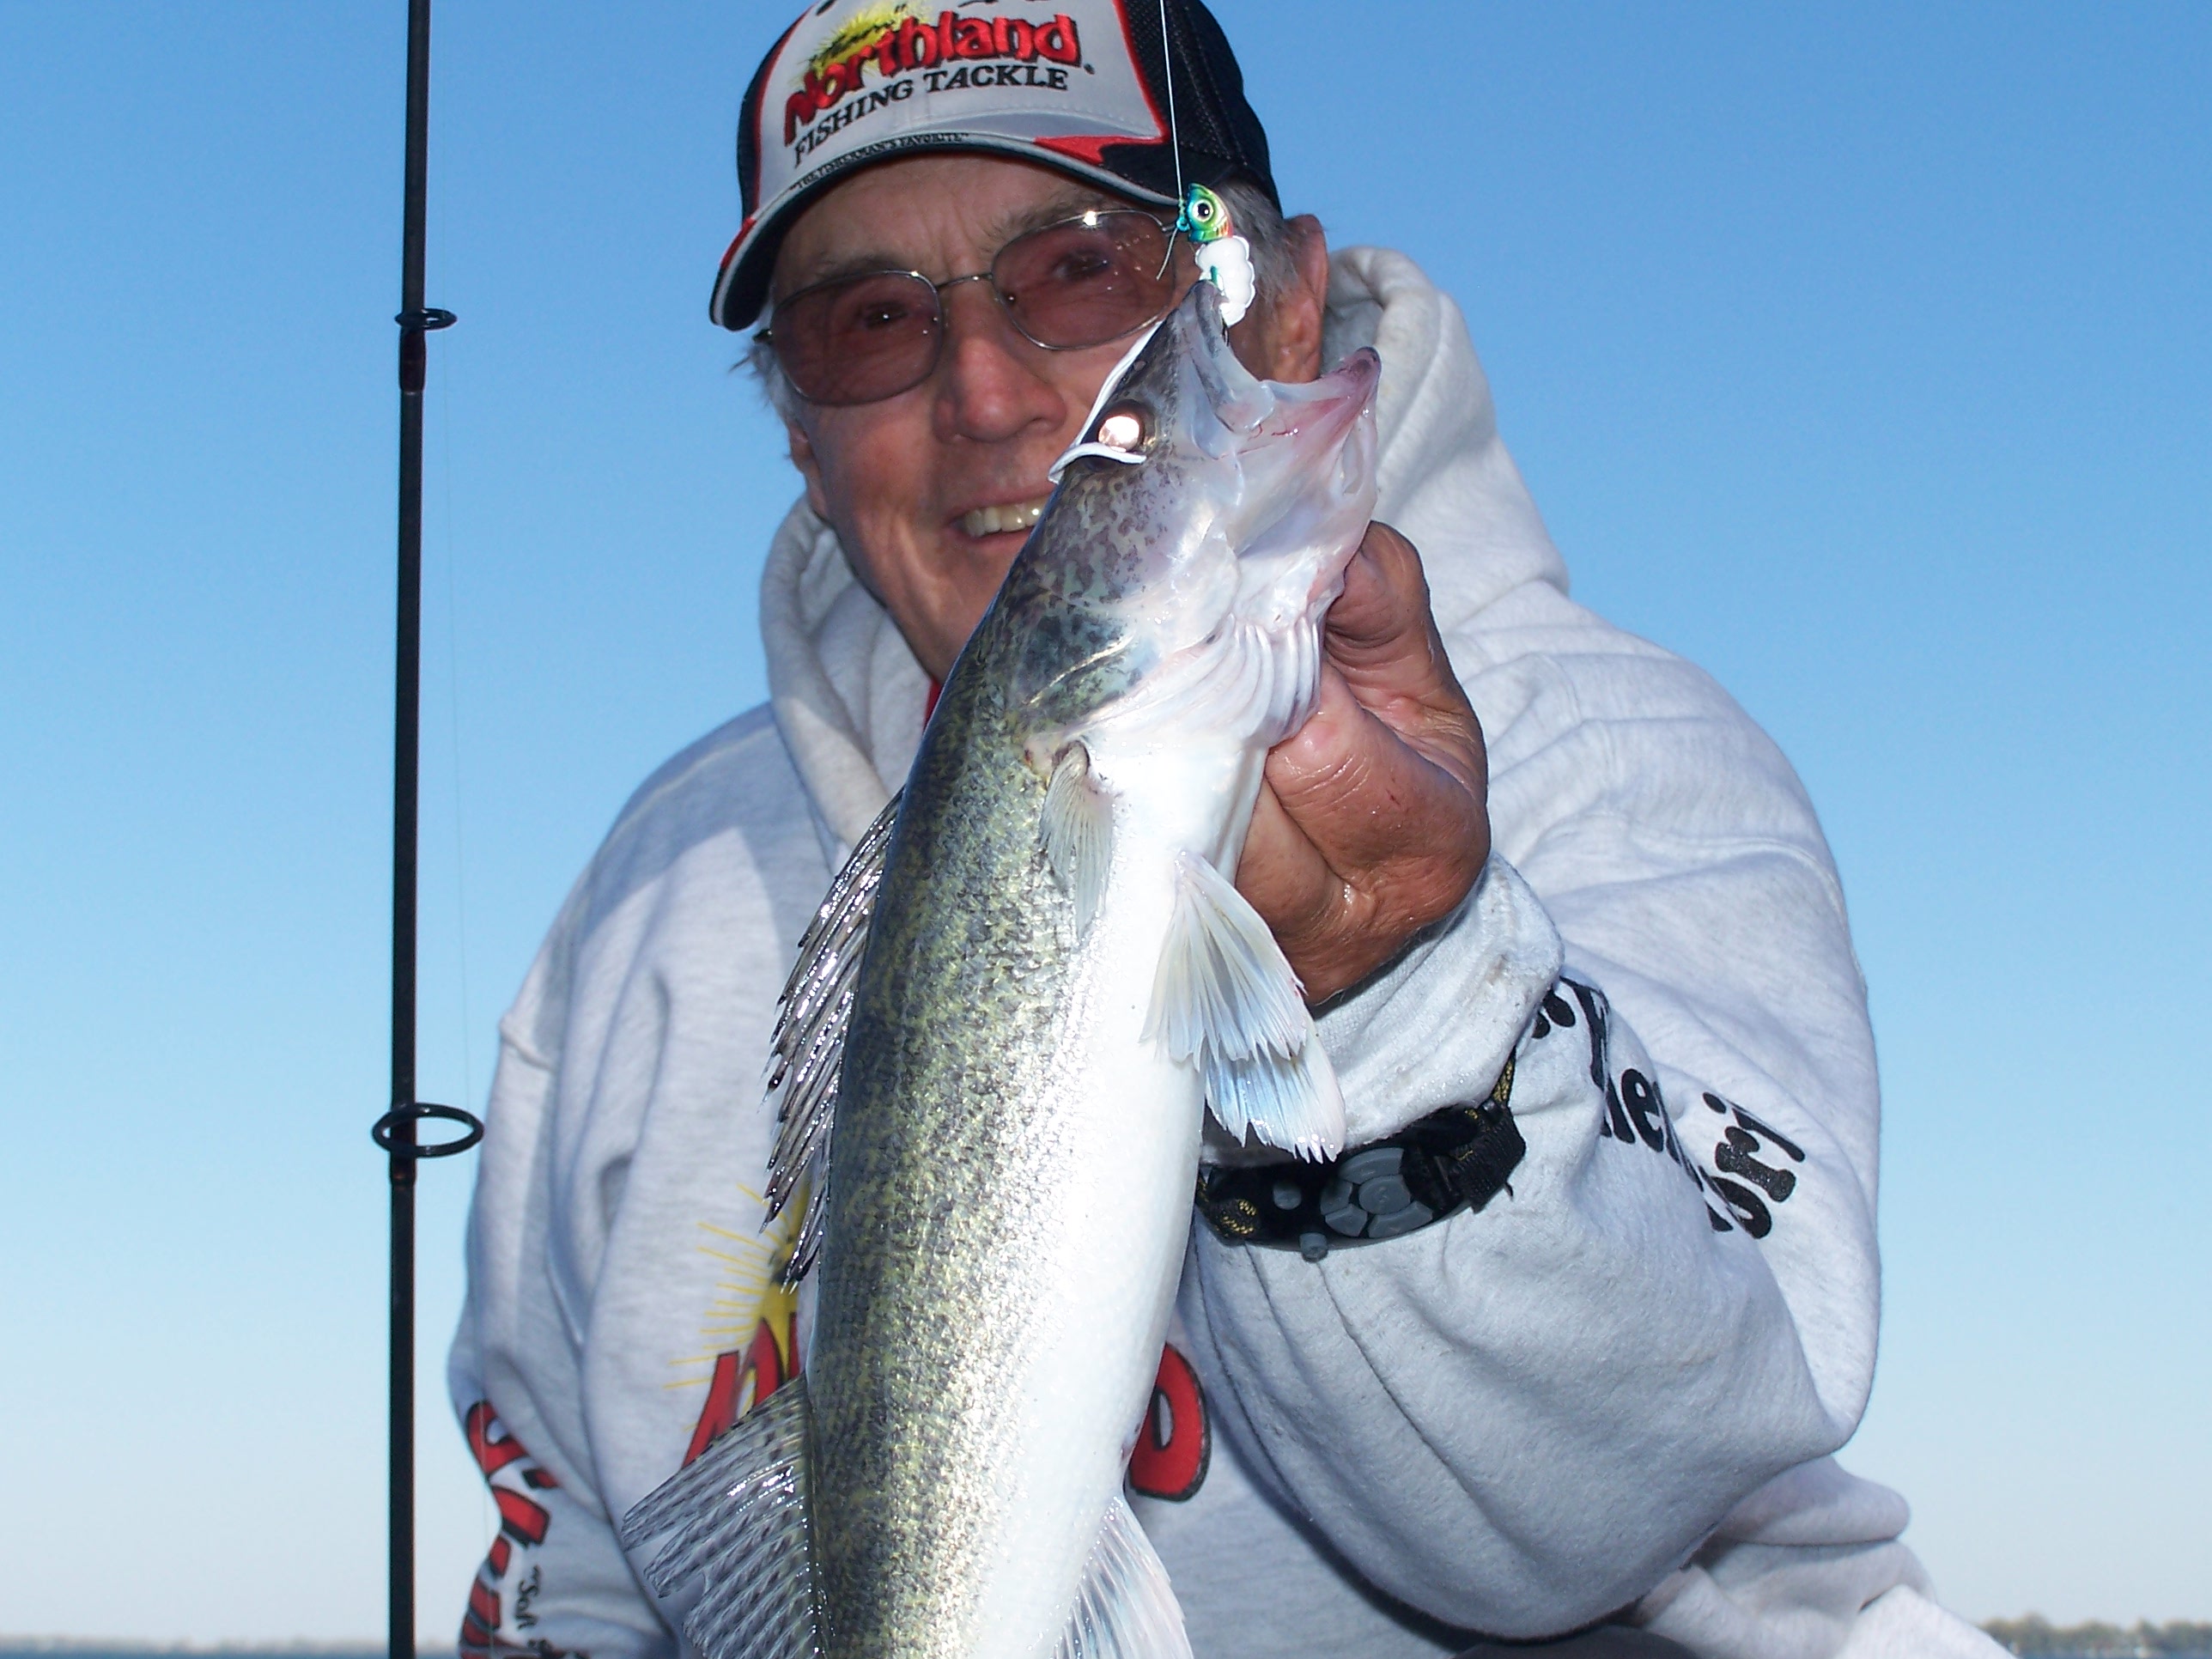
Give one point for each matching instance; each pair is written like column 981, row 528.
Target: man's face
column 933, row 491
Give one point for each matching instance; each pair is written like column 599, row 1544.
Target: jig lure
column 1225, row 257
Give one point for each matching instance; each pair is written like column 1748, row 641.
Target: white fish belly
column 1128, row 1119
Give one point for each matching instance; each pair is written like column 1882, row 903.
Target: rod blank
column 395, row 1131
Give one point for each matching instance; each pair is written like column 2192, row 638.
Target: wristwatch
column 1458, row 1158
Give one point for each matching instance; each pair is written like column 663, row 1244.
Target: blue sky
column 1859, row 354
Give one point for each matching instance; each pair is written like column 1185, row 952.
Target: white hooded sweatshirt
column 1612, row 1392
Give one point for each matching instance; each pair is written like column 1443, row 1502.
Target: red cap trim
column 1089, row 149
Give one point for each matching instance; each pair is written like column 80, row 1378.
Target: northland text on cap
column 1078, row 85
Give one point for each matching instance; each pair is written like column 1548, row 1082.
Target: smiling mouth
column 992, row 520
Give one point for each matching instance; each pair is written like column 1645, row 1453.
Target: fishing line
column 453, row 734
column 487, row 1514
column 1224, row 257
column 1175, row 145
column 1175, row 133
column 445, row 424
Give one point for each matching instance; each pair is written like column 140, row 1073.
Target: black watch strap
column 1457, row 1158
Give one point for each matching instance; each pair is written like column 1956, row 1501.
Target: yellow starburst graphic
column 749, row 1291
column 750, row 1333
column 861, row 31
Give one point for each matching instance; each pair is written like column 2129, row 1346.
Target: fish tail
column 737, row 1520
column 1126, row 1608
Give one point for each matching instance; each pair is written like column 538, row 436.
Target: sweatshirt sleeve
column 1520, row 1419
column 553, row 1579
column 616, row 1308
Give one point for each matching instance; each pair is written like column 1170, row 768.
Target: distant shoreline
column 2030, row 1638
column 2034, row 1636
column 122, row 1648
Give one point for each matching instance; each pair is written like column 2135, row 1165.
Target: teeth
column 989, row 520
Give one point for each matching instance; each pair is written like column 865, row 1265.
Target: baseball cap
column 1083, row 86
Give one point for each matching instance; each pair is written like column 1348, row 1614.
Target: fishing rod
column 395, row 1131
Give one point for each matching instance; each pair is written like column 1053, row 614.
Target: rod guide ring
column 386, row 1128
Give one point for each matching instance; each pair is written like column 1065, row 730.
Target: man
column 1563, row 1342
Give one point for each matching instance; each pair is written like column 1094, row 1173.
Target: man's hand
column 1374, row 820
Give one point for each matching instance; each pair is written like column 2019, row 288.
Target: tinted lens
column 1088, row 281
column 859, row 339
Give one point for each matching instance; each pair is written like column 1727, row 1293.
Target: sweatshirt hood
column 848, row 696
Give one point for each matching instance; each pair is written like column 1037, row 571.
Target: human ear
column 809, row 468
column 1283, row 343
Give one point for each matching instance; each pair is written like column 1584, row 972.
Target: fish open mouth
column 1318, row 418
column 1249, row 405
column 1306, row 451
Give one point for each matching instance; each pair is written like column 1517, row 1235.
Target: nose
column 992, row 383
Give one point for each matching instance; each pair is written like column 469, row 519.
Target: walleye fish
column 1028, row 983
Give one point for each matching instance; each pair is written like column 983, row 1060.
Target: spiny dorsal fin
column 1226, row 1000
column 1077, row 831
column 807, row 1053
column 1125, row 1609
column 738, row 1517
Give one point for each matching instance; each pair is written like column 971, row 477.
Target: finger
column 1438, row 725
column 1372, row 820
column 1366, row 794
column 1287, row 879
column 1340, row 909
column 1348, row 862
column 1381, row 619
column 1382, row 638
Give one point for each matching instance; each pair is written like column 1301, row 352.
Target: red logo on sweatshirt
column 1176, row 1443
column 513, row 1474
column 743, row 1378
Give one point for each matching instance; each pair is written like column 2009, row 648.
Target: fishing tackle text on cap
column 1078, row 85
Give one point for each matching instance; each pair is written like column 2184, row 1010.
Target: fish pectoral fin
column 736, row 1519
column 1078, row 832
column 1126, row 1608
column 807, row 1054
column 1290, row 1101
column 1225, row 1000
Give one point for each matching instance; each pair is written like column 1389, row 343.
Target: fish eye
column 1121, row 427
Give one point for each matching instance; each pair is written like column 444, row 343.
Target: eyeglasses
column 1079, row 282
